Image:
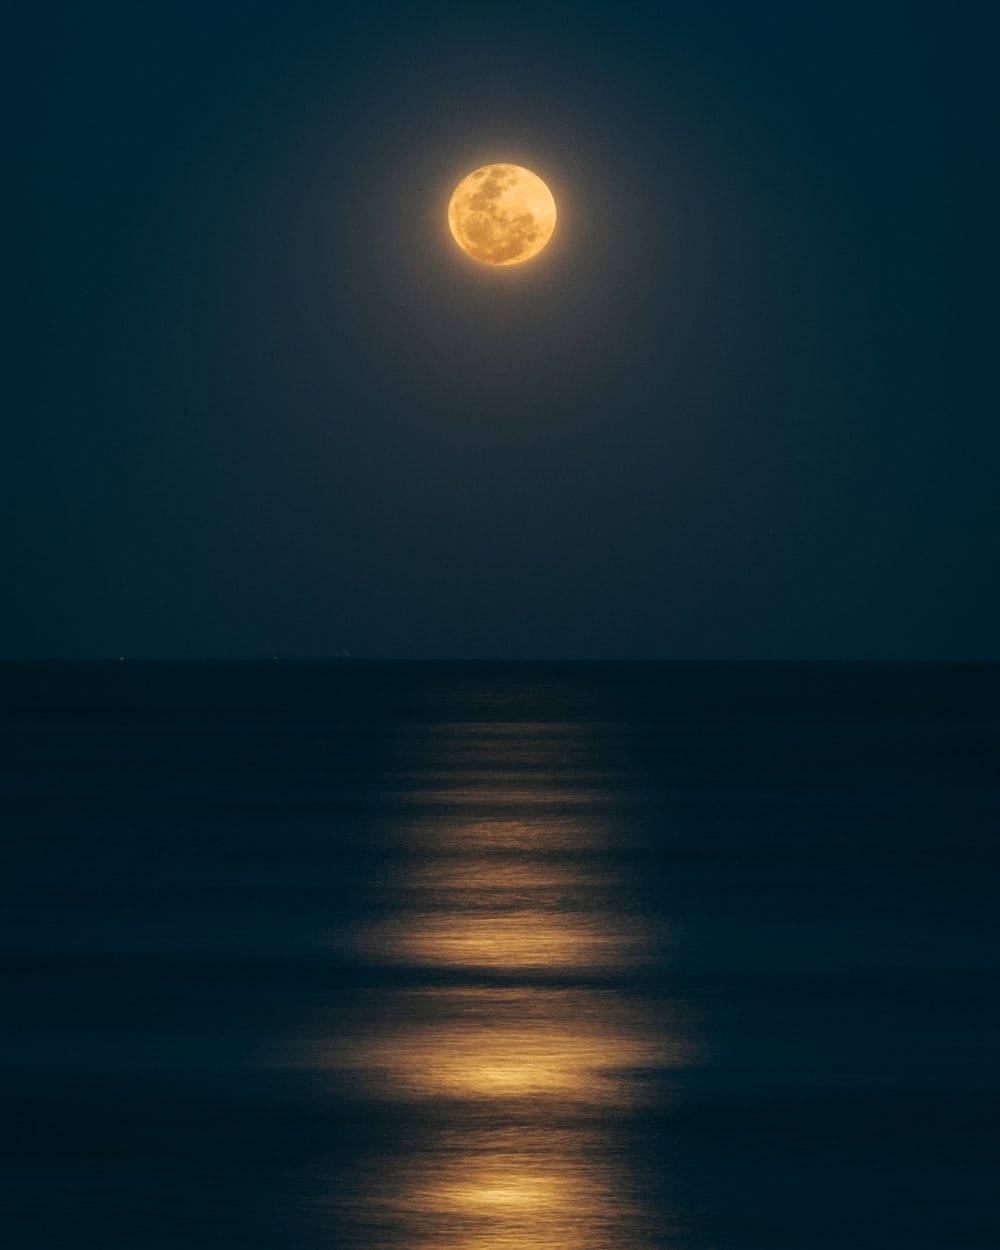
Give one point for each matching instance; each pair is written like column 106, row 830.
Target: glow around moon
column 502, row 214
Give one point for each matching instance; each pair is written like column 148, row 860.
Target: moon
column 502, row 214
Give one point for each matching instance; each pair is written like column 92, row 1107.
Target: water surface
column 482, row 957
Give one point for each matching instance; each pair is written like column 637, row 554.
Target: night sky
column 262, row 404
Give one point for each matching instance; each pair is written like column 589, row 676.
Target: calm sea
column 500, row 957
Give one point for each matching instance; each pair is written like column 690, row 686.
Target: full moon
column 502, row 214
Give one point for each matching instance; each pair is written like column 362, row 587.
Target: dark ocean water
column 475, row 957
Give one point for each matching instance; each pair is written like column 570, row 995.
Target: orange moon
column 502, row 214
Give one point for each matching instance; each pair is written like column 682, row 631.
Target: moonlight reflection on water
column 508, row 1044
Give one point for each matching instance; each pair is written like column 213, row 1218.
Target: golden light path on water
column 520, row 939
column 509, row 1041
column 514, row 1043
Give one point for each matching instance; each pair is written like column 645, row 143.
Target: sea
column 461, row 956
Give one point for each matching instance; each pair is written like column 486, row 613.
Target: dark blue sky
column 262, row 405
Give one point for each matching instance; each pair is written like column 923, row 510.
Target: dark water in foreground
column 500, row 957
